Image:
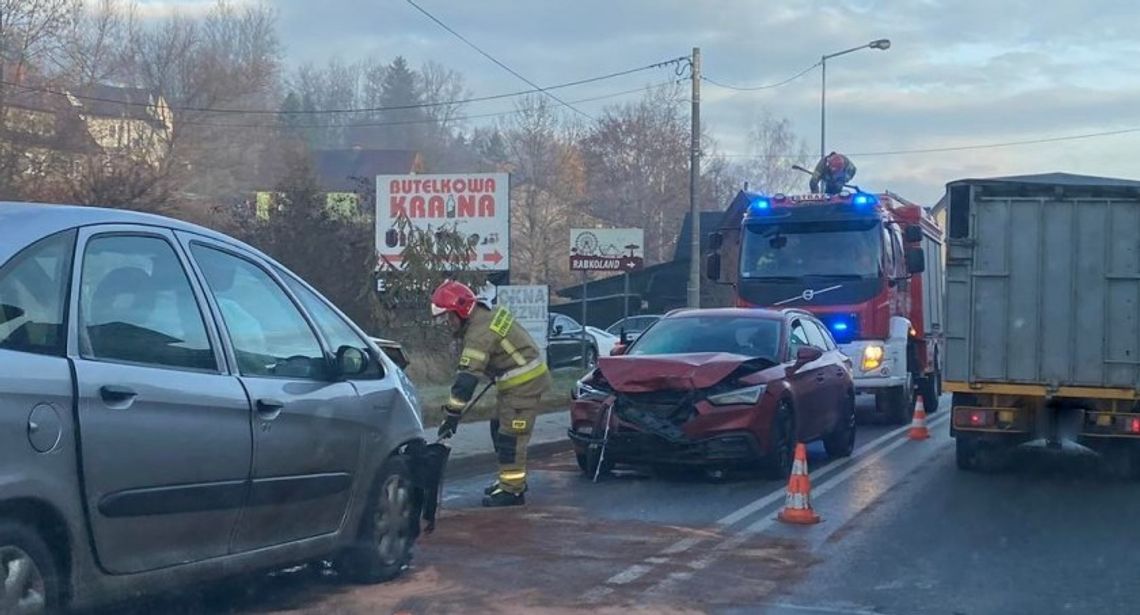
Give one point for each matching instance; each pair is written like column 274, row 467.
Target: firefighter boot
column 501, row 498
column 493, row 487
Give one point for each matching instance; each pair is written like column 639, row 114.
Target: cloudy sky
column 958, row 73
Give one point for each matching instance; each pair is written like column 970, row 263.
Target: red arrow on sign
column 493, row 257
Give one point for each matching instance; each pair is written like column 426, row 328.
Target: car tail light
column 1134, row 425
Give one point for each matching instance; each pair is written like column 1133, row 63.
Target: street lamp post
column 882, row 44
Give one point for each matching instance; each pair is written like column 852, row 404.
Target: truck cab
column 855, row 260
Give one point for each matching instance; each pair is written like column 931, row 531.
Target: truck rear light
column 974, row 418
column 1134, row 425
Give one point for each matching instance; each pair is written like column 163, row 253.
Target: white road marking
column 629, row 575
column 738, row 538
column 749, row 509
column 597, row 594
column 637, row 571
column 681, row 546
column 826, row 610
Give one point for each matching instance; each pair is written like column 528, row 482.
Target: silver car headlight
column 748, row 396
column 585, row 392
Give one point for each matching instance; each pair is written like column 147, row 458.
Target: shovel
column 431, row 462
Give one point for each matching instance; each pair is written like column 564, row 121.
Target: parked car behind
column 633, row 325
column 175, row 406
column 564, row 343
column 722, row 387
column 604, row 340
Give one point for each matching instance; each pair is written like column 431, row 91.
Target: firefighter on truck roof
column 835, row 171
column 497, row 347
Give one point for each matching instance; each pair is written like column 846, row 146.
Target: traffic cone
column 918, row 430
column 797, row 503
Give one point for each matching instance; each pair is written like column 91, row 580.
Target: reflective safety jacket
column 496, row 346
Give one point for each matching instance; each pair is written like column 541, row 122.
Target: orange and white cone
column 918, row 430
column 797, row 503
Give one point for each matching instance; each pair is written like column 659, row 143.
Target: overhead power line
column 959, row 148
column 425, row 105
column 500, row 64
column 460, row 118
column 768, row 86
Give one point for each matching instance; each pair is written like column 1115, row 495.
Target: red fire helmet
column 836, row 162
column 452, row 296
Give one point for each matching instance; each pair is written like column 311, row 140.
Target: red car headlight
column 748, row 396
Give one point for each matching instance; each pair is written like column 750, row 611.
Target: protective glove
column 450, row 424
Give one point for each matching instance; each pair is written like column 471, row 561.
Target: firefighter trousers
column 510, row 433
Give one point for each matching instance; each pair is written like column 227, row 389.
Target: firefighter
column 497, row 347
column 835, row 170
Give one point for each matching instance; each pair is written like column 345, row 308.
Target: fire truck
column 869, row 266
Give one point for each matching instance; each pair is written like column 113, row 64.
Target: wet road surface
column 903, row 531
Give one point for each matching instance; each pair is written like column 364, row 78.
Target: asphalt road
column 903, row 531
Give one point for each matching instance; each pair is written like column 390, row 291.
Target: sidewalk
column 474, row 439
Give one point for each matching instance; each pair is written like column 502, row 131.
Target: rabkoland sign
column 607, row 249
column 475, row 205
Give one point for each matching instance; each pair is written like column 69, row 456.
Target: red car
column 717, row 388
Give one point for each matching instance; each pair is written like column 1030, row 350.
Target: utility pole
column 822, row 107
column 694, row 185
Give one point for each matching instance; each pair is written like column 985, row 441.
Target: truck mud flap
column 429, row 464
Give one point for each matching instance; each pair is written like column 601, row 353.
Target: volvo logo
column 808, row 294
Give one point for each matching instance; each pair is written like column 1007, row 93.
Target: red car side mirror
column 807, row 354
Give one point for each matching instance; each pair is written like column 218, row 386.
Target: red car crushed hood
column 676, row 372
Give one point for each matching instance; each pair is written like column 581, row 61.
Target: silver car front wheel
column 388, row 530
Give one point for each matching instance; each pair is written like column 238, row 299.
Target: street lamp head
column 883, row 44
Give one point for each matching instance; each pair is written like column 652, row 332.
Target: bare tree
column 29, row 38
column 637, row 164
column 775, row 147
column 440, row 84
column 547, row 185
column 97, row 47
column 30, row 30
column 228, row 59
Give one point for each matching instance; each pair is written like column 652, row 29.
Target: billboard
column 476, row 205
column 529, row 305
column 607, row 249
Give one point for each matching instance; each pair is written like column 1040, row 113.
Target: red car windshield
column 747, row 336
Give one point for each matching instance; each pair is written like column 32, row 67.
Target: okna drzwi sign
column 529, row 305
column 475, row 205
column 608, row 249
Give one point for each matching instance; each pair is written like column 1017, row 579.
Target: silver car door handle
column 269, row 409
column 116, row 393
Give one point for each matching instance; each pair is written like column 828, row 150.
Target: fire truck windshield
column 788, row 250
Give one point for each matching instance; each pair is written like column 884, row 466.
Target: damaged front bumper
column 634, row 447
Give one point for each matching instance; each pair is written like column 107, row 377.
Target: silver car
column 175, row 407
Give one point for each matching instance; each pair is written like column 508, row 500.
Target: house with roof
column 54, row 130
column 348, row 177
column 128, row 120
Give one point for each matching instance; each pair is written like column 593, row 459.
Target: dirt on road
column 544, row 560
